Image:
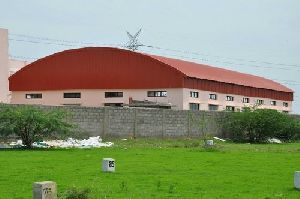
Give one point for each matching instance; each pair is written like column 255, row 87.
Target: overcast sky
column 260, row 37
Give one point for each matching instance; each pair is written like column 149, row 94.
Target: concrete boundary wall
column 129, row 122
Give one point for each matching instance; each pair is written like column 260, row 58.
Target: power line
column 45, row 40
column 67, row 43
column 64, row 44
column 227, row 62
column 38, row 42
column 23, row 57
column 159, row 48
column 223, row 57
column 288, row 82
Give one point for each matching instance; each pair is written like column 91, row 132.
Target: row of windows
column 196, row 106
column 107, row 94
column 155, row 94
column 212, row 107
column 40, row 95
column 195, row 94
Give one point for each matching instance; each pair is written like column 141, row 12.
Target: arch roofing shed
column 113, row 68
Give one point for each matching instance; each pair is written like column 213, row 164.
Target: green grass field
column 150, row 168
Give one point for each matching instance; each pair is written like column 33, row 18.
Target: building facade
column 101, row 76
column 7, row 66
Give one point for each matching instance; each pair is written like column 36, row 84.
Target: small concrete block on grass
column 297, row 179
column 44, row 190
column 108, row 165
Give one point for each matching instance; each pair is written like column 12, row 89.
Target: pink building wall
column 96, row 97
column 7, row 66
column 204, row 100
column 179, row 98
column 4, row 93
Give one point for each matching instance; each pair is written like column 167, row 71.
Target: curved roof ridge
column 187, row 69
column 94, row 48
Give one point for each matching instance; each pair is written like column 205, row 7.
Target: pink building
column 98, row 76
column 7, row 66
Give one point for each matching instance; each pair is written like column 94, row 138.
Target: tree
column 31, row 123
column 257, row 125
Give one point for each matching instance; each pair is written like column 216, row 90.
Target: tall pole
column 4, row 71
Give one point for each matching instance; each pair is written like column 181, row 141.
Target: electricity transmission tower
column 133, row 42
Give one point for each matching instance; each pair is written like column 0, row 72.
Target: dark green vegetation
column 152, row 168
column 75, row 193
column 31, row 123
column 257, row 125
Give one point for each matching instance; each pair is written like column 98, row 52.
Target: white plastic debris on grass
column 274, row 140
column 16, row 144
column 219, row 139
column 91, row 142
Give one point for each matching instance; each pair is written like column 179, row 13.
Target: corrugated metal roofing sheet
column 202, row 71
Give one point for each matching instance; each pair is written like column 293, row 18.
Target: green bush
column 257, row 125
column 76, row 193
column 31, row 123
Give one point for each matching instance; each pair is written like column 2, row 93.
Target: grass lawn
column 150, row 168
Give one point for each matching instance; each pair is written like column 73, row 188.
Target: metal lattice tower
column 133, row 43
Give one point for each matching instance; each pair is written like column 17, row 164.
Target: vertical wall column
column 4, row 71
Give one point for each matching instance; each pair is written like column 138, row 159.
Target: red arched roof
column 96, row 68
column 113, row 68
column 201, row 71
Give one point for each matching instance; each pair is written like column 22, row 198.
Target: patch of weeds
column 158, row 185
column 212, row 148
column 76, row 193
column 172, row 188
column 205, row 148
column 191, row 145
column 176, row 145
column 123, row 186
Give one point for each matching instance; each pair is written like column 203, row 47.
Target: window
column 229, row 108
column 33, row 96
column 273, row 103
column 246, row 100
column 285, row 104
column 113, row 94
column 260, row 102
column 157, row 93
column 229, row 98
column 213, row 96
column 285, row 111
column 72, row 104
column 213, row 107
column 114, row 104
column 72, row 95
column 194, row 106
column 194, row 94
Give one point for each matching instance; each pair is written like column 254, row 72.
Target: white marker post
column 297, row 179
column 108, row 165
column 44, row 190
column 209, row 143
